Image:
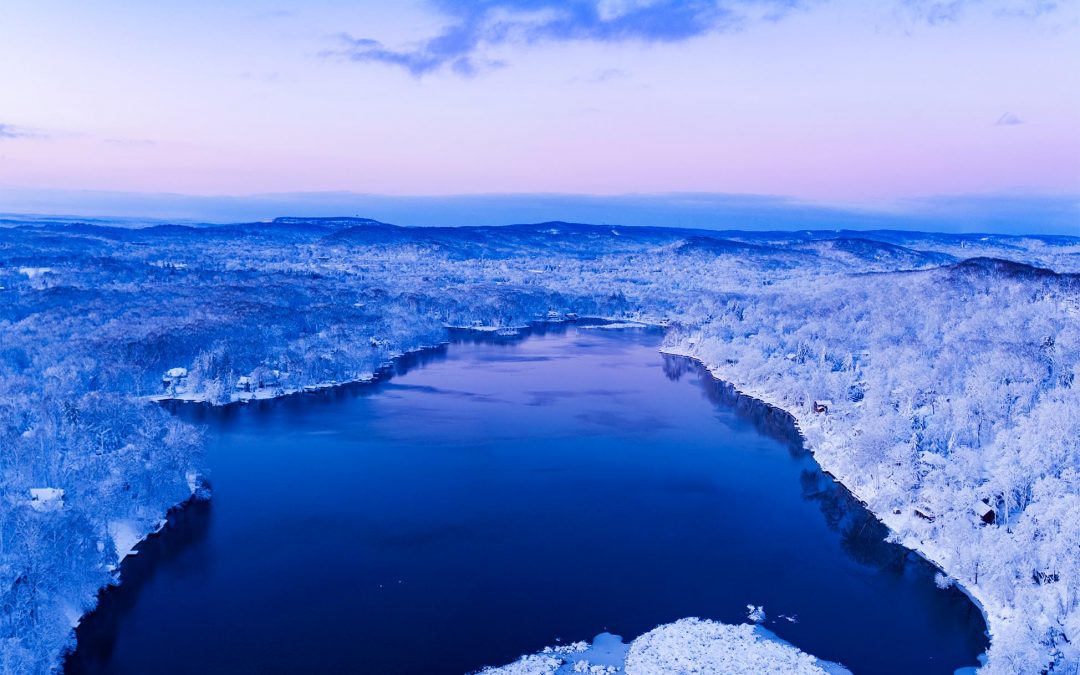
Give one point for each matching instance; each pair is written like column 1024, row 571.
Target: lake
column 494, row 497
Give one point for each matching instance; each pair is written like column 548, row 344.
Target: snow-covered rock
column 699, row 646
column 687, row 647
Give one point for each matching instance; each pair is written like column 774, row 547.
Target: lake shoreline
column 762, row 399
column 201, row 489
column 775, row 414
column 387, row 369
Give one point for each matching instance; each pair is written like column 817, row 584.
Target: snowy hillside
column 943, row 367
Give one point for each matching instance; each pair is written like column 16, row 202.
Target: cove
column 494, row 497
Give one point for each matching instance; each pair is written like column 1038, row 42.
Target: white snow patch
column 533, row 664
column 46, row 499
column 125, row 536
column 72, row 614
column 701, row 646
column 690, row 646
column 32, row 272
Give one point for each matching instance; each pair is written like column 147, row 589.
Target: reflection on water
column 499, row 495
column 187, row 526
column 861, row 534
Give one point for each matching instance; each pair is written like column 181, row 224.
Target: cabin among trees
column 173, row 378
column 984, row 511
column 925, row 512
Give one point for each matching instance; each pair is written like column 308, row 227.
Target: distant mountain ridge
column 870, row 250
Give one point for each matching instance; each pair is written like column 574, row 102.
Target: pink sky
column 835, row 102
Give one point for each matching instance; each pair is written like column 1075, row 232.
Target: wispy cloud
column 1028, row 9
column 608, row 74
column 1008, row 120
column 475, row 26
column 936, row 12
column 600, row 76
column 11, row 131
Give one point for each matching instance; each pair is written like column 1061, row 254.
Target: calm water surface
column 500, row 497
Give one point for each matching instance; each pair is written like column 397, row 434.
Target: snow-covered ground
column 687, row 646
column 950, row 376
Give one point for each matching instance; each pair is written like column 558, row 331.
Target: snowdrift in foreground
column 686, row 646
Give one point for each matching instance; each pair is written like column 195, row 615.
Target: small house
column 173, row 377
column 244, row 383
column 984, row 511
column 925, row 512
column 263, row 377
column 822, row 406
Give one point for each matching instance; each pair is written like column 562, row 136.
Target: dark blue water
column 500, row 497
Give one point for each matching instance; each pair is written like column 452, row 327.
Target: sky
column 533, row 109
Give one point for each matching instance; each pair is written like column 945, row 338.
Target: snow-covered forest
column 935, row 375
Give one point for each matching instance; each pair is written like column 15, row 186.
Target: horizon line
column 1014, row 212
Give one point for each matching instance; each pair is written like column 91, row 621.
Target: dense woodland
column 944, row 369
